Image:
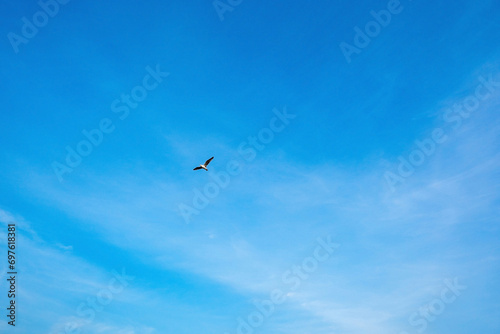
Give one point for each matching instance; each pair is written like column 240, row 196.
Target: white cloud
column 380, row 231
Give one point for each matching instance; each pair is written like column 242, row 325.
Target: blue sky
column 391, row 154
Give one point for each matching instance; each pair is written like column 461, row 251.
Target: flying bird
column 204, row 166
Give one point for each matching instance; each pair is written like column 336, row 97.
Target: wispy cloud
column 137, row 216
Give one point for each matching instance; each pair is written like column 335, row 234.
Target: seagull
column 204, row 166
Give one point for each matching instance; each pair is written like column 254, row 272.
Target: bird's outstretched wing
column 196, row 168
column 208, row 161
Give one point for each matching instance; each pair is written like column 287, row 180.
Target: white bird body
column 204, row 166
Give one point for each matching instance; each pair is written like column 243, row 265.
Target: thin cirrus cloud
column 323, row 175
column 361, row 207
